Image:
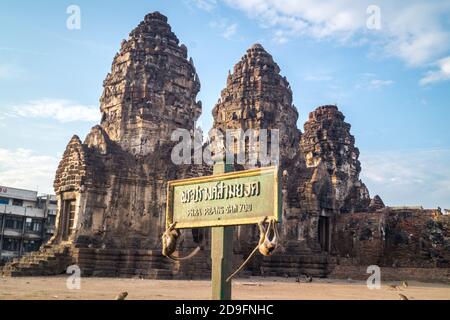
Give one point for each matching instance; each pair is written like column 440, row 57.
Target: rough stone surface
column 330, row 150
column 376, row 204
column 393, row 238
column 258, row 97
column 151, row 89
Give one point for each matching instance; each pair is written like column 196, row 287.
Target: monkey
column 169, row 240
column 122, row 296
column 265, row 246
column 394, row 287
column 305, row 277
column 403, row 297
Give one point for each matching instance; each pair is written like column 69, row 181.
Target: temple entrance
column 69, row 218
column 324, row 233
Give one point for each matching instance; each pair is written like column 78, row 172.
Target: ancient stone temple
column 111, row 187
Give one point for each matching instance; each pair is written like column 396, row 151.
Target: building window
column 17, row 202
column 14, row 223
column 11, row 244
column 31, row 245
column 28, row 224
column 51, row 220
column 37, row 225
column 4, row 200
column 33, row 225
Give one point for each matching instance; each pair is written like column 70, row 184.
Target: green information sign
column 235, row 198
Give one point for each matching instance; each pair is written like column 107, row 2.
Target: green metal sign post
column 221, row 251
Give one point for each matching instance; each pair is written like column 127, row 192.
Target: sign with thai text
column 236, row 198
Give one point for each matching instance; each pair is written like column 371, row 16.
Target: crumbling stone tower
column 330, row 151
column 258, row 97
column 332, row 186
column 151, row 90
column 112, row 187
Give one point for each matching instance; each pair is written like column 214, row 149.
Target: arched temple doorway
column 324, row 233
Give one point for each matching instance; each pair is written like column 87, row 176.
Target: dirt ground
column 54, row 288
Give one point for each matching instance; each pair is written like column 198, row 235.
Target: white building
column 26, row 221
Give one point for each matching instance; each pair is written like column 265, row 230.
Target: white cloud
column 207, row 5
column 318, row 77
column 418, row 177
column 368, row 81
column 228, row 30
column 57, row 109
column 417, row 31
column 377, row 83
column 280, row 37
column 442, row 74
column 22, row 168
column 413, row 31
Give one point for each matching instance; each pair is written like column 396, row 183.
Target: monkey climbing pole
column 221, row 201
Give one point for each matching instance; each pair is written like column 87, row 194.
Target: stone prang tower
column 151, row 90
column 258, row 97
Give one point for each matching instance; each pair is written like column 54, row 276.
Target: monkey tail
column 243, row 264
column 189, row 256
column 263, row 235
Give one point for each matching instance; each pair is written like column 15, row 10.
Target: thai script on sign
column 220, row 191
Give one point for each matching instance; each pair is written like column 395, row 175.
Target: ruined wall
column 395, row 238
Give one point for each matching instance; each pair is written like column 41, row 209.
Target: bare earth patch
column 54, row 288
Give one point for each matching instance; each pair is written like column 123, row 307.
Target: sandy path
column 54, row 288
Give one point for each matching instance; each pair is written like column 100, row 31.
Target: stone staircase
column 147, row 264
column 150, row 264
column 49, row 260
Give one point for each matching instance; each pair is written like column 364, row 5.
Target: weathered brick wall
column 419, row 238
column 359, row 237
column 393, row 238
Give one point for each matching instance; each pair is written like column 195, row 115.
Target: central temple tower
column 258, row 97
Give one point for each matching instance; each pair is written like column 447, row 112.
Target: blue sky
column 392, row 83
